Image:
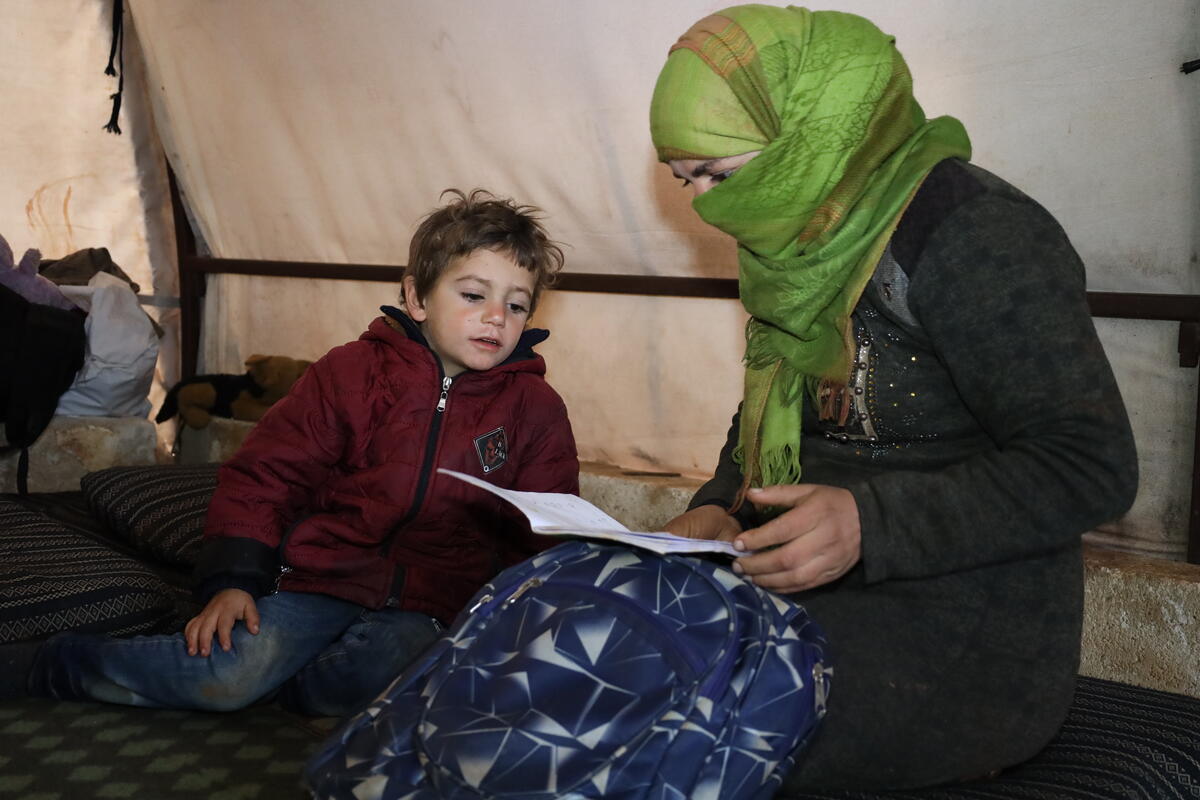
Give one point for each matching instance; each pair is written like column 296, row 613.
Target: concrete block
column 1141, row 621
column 71, row 447
column 215, row 442
column 640, row 501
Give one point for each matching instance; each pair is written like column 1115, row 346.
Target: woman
column 927, row 409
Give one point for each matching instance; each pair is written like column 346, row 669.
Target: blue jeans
column 316, row 654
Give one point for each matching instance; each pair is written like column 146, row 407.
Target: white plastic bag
column 122, row 349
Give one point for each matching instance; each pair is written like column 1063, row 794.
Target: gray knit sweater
column 986, row 434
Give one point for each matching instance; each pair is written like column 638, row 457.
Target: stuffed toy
column 24, row 279
column 197, row 400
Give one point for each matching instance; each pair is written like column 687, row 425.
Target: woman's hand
column 818, row 538
column 705, row 522
column 218, row 617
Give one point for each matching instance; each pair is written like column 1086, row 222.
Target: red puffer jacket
column 335, row 491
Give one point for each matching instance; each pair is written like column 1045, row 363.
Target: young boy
column 334, row 551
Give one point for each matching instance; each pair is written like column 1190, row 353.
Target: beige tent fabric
column 320, row 130
column 66, row 183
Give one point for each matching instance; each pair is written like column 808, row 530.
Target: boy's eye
column 472, row 297
column 517, row 308
column 717, row 177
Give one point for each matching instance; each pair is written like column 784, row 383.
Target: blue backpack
column 594, row 670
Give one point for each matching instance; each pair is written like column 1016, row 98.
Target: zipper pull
column 283, row 570
column 487, row 598
column 821, row 674
column 532, row 583
column 441, row 406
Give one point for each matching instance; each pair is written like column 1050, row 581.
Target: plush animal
column 197, row 400
column 24, row 279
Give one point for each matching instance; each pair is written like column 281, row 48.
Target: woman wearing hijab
column 929, row 422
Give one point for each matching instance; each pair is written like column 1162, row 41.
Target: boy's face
column 475, row 312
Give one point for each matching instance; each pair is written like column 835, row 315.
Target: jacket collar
column 530, row 337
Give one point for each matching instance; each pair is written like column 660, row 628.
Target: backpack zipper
column 435, row 429
column 820, row 674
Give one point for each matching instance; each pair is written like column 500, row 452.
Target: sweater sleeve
column 721, row 490
column 1001, row 294
column 266, row 486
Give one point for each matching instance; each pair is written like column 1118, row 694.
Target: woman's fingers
column 816, row 540
column 704, row 522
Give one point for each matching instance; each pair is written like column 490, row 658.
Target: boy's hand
column 705, row 522
column 818, row 538
column 218, row 617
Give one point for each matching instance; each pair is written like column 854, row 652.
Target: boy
column 334, row 552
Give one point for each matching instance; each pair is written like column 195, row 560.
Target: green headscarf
column 828, row 100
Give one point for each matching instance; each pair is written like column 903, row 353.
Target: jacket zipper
column 435, row 430
column 281, row 551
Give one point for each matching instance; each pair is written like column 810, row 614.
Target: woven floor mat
column 62, row 751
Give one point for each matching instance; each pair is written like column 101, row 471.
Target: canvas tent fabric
column 318, row 131
column 65, row 184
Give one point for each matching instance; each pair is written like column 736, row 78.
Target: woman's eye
column 717, row 177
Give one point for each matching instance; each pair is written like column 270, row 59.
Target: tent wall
column 65, row 183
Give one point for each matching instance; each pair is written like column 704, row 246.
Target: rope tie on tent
column 117, row 54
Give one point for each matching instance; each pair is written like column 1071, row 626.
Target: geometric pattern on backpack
column 594, row 670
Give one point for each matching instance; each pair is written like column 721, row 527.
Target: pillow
column 54, row 578
column 158, row 509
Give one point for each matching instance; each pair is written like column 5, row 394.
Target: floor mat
column 53, row 750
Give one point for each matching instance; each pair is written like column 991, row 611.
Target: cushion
column 158, row 509
column 1119, row 741
column 55, row 578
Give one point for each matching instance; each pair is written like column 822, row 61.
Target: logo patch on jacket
column 492, row 449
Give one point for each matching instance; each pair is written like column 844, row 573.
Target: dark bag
column 594, row 671
column 41, row 349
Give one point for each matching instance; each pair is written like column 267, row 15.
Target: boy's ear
column 412, row 303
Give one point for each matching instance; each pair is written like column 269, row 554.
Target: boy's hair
column 482, row 221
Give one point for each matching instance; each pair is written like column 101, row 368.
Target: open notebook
column 568, row 515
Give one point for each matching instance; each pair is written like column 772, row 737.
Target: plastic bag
column 122, row 349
